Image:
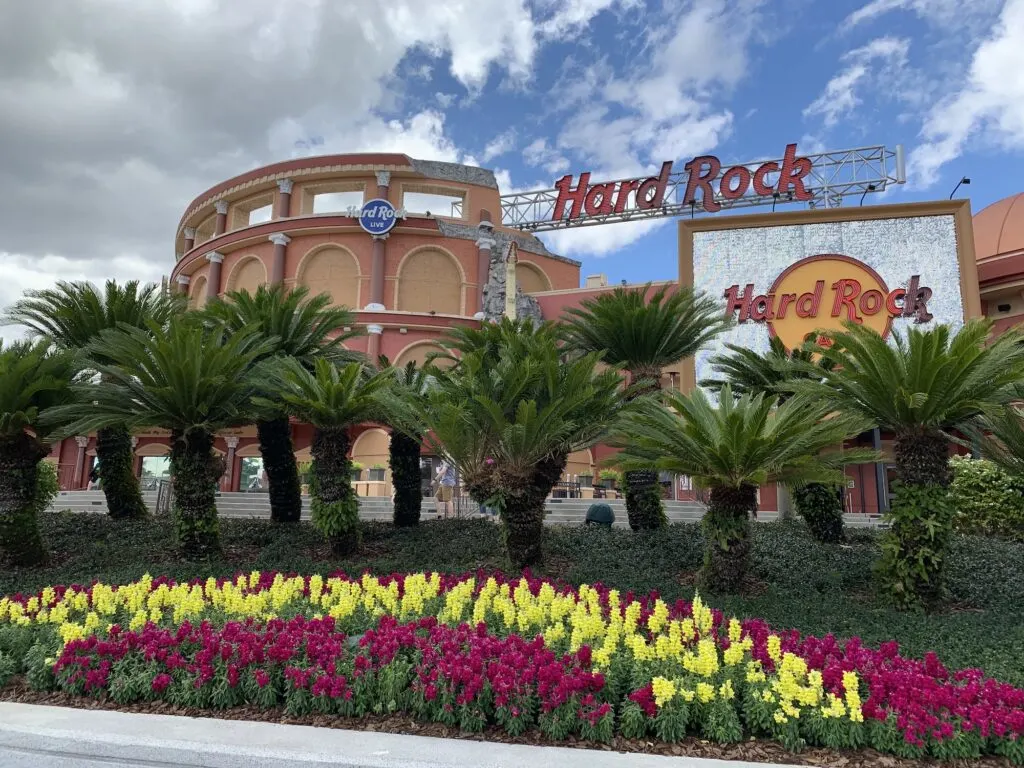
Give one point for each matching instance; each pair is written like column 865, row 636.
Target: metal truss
column 833, row 177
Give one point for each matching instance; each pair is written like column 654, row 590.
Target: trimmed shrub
column 914, row 548
column 47, row 486
column 821, row 507
column 988, row 500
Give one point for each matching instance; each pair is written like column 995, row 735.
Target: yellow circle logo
column 818, row 294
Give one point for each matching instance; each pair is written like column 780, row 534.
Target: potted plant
column 609, row 478
column 304, row 467
column 357, row 471
column 377, row 473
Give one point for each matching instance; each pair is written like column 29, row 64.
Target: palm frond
column 924, row 379
column 73, row 314
column 35, row 378
column 643, row 331
column 183, row 376
column 743, row 440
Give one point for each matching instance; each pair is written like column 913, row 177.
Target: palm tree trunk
column 282, row 471
column 19, row 527
column 404, row 459
column 117, row 474
column 335, row 506
column 523, row 513
column 727, row 537
column 914, row 549
column 195, row 471
column 922, row 457
column 644, row 507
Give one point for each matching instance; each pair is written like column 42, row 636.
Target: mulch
column 754, row 750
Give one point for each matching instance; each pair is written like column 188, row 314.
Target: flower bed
column 484, row 651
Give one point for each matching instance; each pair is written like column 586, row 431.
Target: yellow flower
column 735, row 630
column 663, row 690
column 726, row 691
column 780, row 717
column 853, row 703
column 705, row 692
column 775, row 648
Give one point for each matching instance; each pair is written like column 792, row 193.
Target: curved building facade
column 292, row 223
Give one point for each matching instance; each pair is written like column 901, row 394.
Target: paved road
column 56, row 737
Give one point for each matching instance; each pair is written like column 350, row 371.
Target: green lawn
column 798, row 583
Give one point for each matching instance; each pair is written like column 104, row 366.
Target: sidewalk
column 46, row 737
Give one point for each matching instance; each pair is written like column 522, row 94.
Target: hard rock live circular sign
column 819, row 293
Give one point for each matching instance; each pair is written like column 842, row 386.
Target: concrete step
column 558, row 511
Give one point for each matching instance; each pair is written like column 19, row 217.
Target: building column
column 284, row 207
column 229, row 471
column 213, row 279
column 76, row 480
column 377, row 273
column 222, row 218
column 280, row 241
column 373, row 342
column 183, row 281
column 485, row 243
column 383, row 183
column 379, row 251
column 136, row 460
column 190, row 238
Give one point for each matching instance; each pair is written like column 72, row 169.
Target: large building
column 443, row 264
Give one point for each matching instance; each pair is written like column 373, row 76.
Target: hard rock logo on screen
column 820, row 293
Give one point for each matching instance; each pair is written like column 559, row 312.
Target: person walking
column 446, row 488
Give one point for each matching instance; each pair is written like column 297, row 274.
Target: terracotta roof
column 999, row 228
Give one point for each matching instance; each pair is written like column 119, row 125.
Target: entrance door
column 428, row 468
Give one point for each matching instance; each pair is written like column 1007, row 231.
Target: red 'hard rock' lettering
column 704, row 174
column 849, row 302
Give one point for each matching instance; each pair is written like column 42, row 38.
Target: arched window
column 429, row 280
column 248, row 275
column 334, row 271
column 531, row 278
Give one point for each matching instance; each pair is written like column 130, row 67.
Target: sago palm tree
column 509, row 411
column 333, row 399
column 299, row 327
column 73, row 315
column 921, row 388
column 643, row 334
column 747, row 371
column 184, row 377
column 731, row 450
column 35, row 378
column 1000, row 432
column 409, row 388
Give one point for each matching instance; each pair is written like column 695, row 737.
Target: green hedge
column 988, row 500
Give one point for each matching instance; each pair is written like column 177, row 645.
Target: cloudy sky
column 115, row 113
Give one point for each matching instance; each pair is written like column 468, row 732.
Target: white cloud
column 538, row 154
column 112, row 134
column 840, row 96
column 943, row 12
column 23, row 273
column 600, row 240
column 445, row 99
column 502, row 143
column 988, row 108
column 574, row 15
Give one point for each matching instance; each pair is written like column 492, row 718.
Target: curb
column 121, row 738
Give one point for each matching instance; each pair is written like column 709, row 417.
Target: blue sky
column 827, row 75
column 109, row 134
